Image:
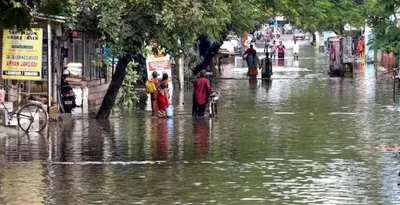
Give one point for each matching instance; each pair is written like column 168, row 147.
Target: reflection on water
column 307, row 140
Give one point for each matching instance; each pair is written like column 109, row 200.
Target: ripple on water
column 301, row 138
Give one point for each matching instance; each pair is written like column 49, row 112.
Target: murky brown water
column 303, row 138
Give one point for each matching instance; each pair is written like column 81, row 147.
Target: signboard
column 160, row 64
column 347, row 54
column 22, row 54
column 334, row 54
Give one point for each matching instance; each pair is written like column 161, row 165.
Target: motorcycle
column 68, row 98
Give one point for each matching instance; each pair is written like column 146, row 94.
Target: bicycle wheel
column 32, row 117
column 210, row 109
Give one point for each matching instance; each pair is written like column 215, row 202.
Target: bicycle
column 24, row 114
column 212, row 106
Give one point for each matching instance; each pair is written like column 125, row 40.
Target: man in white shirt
column 296, row 49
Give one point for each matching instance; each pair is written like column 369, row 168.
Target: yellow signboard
column 22, row 54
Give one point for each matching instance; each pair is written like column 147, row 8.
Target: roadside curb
column 6, row 131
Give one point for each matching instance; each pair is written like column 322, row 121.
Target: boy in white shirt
column 296, row 49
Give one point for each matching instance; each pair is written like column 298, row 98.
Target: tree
column 381, row 17
column 18, row 13
column 323, row 15
column 244, row 15
column 127, row 26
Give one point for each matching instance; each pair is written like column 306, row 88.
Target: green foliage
column 192, row 59
column 323, row 15
column 386, row 31
column 100, row 63
column 127, row 96
column 18, row 13
column 127, row 26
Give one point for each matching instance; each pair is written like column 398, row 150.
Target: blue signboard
column 106, row 52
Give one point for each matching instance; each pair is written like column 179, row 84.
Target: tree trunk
column 204, row 45
column 208, row 50
column 208, row 57
column 112, row 91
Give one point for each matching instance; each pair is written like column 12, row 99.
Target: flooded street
column 301, row 138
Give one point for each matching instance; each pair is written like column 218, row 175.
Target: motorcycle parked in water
column 68, row 98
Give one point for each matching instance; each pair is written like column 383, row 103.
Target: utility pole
column 49, row 71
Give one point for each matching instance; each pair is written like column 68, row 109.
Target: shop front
column 30, row 61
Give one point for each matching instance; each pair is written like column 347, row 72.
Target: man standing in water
column 202, row 89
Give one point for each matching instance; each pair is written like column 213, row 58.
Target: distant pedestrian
column 281, row 50
column 202, row 89
column 273, row 48
column 253, row 63
column 296, row 49
column 360, row 47
column 267, row 49
column 248, row 52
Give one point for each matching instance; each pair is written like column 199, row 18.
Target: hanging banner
column 22, row 54
column 160, row 64
column 347, row 54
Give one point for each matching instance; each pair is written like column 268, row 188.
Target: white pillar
column 181, row 72
column 49, row 71
column 65, row 61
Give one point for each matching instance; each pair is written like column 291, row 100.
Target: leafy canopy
column 18, row 13
column 128, row 25
column 381, row 17
column 322, row 15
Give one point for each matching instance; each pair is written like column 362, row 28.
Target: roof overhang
column 57, row 19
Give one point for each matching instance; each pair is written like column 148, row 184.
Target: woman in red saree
column 163, row 96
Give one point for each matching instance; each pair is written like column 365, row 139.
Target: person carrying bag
column 253, row 62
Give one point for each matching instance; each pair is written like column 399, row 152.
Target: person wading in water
column 281, row 50
column 163, row 96
column 202, row 89
column 296, row 49
column 152, row 88
column 272, row 52
column 253, row 63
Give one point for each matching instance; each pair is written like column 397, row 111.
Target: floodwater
column 302, row 138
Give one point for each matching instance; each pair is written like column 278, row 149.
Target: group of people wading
column 159, row 92
column 160, row 98
column 253, row 60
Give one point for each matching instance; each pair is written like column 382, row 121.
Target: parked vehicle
column 299, row 35
column 237, row 46
column 231, row 36
column 227, row 50
column 68, row 98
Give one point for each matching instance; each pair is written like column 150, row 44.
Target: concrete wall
column 84, row 49
column 97, row 90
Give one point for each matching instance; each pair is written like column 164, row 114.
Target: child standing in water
column 296, row 50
